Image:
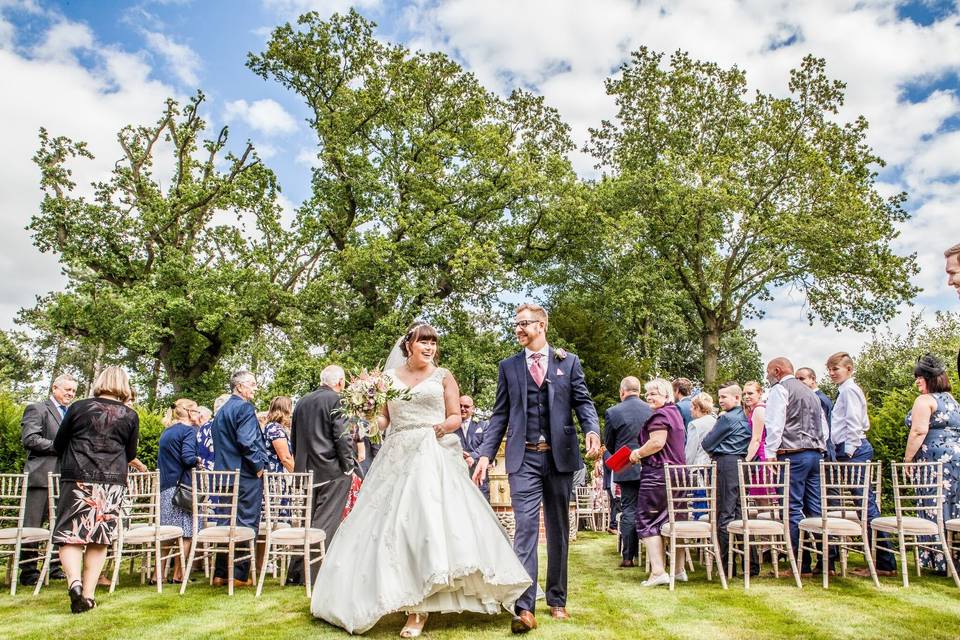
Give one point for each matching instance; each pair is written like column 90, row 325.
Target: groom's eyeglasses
column 524, row 323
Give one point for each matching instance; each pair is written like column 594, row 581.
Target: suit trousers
column 629, row 542
column 538, row 483
column 328, row 502
column 249, row 508
column 804, row 494
column 864, row 453
column 728, row 497
column 35, row 515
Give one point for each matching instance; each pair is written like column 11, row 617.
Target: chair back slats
column 918, row 490
column 13, row 499
column 845, row 488
column 691, row 491
column 215, row 495
column 288, row 498
column 142, row 503
column 764, row 490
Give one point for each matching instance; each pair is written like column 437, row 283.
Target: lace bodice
column 425, row 407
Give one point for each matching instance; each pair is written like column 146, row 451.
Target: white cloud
column 115, row 90
column 266, row 116
column 183, row 61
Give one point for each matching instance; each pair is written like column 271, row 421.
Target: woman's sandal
column 414, row 632
column 79, row 604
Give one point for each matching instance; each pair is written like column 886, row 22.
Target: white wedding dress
column 421, row 537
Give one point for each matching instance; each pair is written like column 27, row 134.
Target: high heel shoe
column 78, row 604
column 414, row 632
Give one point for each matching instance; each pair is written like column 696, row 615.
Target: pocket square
column 559, row 373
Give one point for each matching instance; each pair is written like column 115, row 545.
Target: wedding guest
column 176, row 460
column 238, row 444
column 703, row 421
column 205, row 435
column 682, row 387
column 794, row 434
column 471, row 438
column 622, row 425
column 661, row 442
column 755, row 410
column 952, row 256
column 96, row 440
column 727, row 444
column 38, row 428
column 277, row 433
column 808, row 376
column 319, row 445
column 934, row 423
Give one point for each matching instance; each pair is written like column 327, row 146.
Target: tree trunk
column 711, row 354
column 154, row 390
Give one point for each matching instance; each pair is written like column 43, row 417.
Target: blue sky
column 85, row 68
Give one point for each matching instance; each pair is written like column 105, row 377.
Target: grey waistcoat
column 802, row 429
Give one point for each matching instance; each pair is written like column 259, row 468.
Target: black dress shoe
column 58, row 574
column 29, row 579
column 293, row 582
column 627, row 564
column 79, row 604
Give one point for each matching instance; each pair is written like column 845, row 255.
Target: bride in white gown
column 421, row 537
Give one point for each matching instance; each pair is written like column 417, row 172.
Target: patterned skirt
column 88, row 512
column 174, row 516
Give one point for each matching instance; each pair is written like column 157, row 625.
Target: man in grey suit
column 622, row 423
column 38, row 428
column 322, row 443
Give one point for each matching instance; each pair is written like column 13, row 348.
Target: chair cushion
column 835, row 526
column 758, row 527
column 147, row 533
column 222, row 534
column 688, row 529
column 295, row 535
column 848, row 514
column 262, row 531
column 911, row 525
column 30, row 534
column 952, row 525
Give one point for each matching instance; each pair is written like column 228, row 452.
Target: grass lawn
column 605, row 602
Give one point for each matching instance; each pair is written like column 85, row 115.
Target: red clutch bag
column 619, row 460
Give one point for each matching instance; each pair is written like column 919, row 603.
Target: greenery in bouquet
column 364, row 397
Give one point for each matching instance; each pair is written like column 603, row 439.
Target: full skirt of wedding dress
column 421, row 538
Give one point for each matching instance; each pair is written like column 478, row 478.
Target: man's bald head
column 778, row 368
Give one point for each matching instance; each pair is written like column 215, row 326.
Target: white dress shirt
column 543, row 361
column 850, row 420
column 775, row 417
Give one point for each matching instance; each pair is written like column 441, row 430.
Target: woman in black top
column 96, row 441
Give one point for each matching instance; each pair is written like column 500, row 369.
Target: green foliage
column 151, row 275
column 430, row 193
column 726, row 196
column 17, row 368
column 12, row 453
column 151, row 426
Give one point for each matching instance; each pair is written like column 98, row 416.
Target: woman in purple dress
column 661, row 442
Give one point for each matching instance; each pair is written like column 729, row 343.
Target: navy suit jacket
column 567, row 394
column 237, row 440
column 622, row 423
column 473, row 438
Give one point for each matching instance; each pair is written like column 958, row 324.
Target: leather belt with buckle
column 540, row 447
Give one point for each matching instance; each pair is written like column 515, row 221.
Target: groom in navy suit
column 538, row 391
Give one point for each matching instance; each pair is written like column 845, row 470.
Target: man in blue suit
column 538, row 391
column 238, row 444
column 622, row 423
column 471, row 437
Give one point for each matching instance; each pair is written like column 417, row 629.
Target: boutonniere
column 559, row 354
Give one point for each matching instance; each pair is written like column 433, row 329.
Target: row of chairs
column 285, row 530
column 918, row 522
column 593, row 508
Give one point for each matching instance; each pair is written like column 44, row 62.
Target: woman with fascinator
column 421, row 538
column 934, row 424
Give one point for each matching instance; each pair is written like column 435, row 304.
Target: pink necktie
column 536, row 369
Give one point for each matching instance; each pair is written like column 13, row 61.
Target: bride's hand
column 438, row 430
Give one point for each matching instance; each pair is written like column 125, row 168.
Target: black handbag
column 183, row 497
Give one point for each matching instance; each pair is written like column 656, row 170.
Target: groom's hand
column 593, row 446
column 480, row 473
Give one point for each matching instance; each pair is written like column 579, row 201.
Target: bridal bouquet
column 364, row 396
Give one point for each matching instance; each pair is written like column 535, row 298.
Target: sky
column 85, row 68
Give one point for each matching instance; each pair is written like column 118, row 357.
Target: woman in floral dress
column 934, row 424
column 97, row 439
